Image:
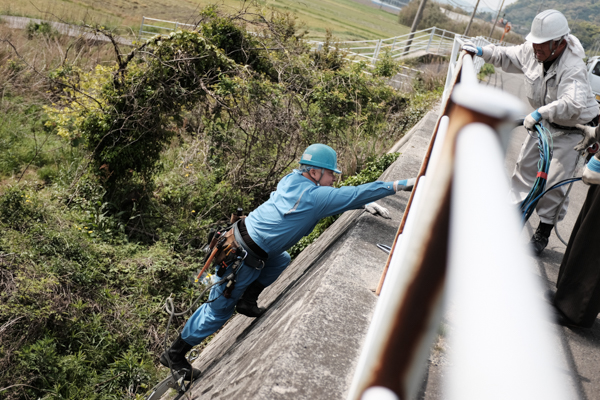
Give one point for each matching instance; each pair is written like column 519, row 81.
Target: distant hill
column 583, row 16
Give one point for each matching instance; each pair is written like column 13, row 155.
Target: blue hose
column 545, row 146
column 529, row 207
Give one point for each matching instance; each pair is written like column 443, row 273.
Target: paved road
column 580, row 349
column 65, row 29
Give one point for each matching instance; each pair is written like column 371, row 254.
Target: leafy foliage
column 486, row 69
column 40, row 29
column 128, row 166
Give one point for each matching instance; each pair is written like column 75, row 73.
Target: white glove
column 590, row 137
column 472, row 48
column 532, row 119
column 405, row 185
column 375, row 209
column 591, row 172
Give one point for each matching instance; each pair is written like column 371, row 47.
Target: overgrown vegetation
column 347, row 19
column 486, row 70
column 112, row 172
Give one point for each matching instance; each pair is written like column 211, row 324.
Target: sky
column 484, row 5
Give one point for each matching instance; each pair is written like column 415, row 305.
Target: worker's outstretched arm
column 334, row 201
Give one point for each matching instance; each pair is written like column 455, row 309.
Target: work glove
column 405, row 185
column 532, row 119
column 590, row 137
column 375, row 209
column 472, row 48
column 591, row 172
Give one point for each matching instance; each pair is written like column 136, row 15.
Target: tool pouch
column 227, row 246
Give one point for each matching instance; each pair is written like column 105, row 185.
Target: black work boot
column 179, row 363
column 247, row 304
column 539, row 240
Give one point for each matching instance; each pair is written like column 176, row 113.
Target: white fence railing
column 454, row 55
column 458, row 244
column 152, row 26
column 393, row 4
column 428, row 41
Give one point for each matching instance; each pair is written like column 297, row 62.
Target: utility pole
column 496, row 21
column 540, row 7
column 415, row 23
column 471, row 20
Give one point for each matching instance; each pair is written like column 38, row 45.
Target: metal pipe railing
column 409, row 310
column 501, row 338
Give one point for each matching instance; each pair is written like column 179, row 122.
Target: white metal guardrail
column 393, row 4
column 152, row 26
column 428, row 41
column 459, row 241
column 454, row 55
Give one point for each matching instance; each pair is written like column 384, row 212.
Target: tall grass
column 27, row 145
column 347, row 19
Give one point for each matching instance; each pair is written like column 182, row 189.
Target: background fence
column 152, row 26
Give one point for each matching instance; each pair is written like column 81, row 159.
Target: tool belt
column 593, row 122
column 256, row 256
column 236, row 245
column 564, row 128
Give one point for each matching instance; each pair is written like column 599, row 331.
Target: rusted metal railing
column 457, row 222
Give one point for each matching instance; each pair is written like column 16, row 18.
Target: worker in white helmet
column 557, row 87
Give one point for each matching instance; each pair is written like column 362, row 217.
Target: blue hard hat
column 320, row 155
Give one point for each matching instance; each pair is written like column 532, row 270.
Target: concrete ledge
column 307, row 344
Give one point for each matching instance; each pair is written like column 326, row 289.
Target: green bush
column 486, row 69
column 138, row 161
column 386, row 66
column 42, row 28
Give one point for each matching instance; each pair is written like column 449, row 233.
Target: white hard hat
column 548, row 25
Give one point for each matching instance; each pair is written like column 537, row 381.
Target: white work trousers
column 564, row 162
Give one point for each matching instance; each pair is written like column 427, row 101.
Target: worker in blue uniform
column 302, row 198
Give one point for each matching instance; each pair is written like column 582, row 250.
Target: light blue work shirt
column 298, row 204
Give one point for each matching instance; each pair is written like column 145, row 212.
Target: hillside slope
column 583, row 16
column 347, row 19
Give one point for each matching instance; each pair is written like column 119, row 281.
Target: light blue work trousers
column 211, row 316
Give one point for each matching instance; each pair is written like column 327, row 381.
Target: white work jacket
column 563, row 94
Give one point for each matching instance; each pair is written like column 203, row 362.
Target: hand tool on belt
column 230, row 249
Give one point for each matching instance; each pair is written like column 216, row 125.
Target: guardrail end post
column 141, row 28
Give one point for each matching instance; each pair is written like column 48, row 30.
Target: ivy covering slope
column 152, row 151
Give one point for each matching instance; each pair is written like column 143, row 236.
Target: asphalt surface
column 579, row 348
